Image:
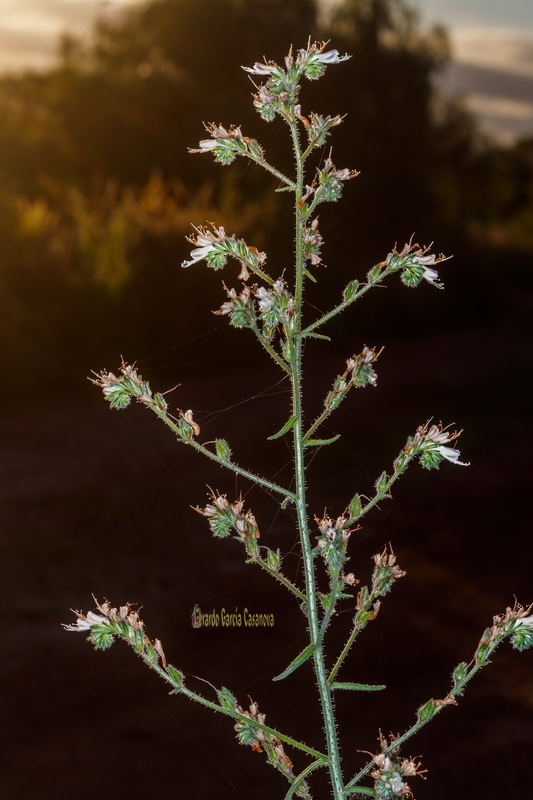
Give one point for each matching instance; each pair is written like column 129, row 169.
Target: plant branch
column 162, row 414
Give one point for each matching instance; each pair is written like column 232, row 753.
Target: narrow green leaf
column 286, row 428
column 284, row 189
column 318, row 442
column 314, row 335
column 359, row 687
column 298, row 661
column 308, row 274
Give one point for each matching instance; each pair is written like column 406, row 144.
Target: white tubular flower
column 86, row 622
column 430, row 443
column 451, row 454
column 207, row 241
column 261, row 69
column 205, row 145
column 527, row 622
column 429, row 274
column 197, row 255
column 329, row 57
column 266, row 301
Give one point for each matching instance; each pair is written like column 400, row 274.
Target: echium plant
column 270, row 306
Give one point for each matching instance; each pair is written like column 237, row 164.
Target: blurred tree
column 81, row 143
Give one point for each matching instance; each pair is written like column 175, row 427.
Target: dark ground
column 99, row 502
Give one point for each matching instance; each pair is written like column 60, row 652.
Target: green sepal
column 175, row 676
column 101, row 637
column 223, row 449
column 350, row 291
column 273, row 559
column 359, row 687
column 355, row 508
column 427, row 711
column 382, row 483
column 226, row 699
column 460, row 672
column 286, row 428
column 298, row 661
column 319, row 442
column 522, row 637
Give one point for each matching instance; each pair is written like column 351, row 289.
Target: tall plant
column 272, row 308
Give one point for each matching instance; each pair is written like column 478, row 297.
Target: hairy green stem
column 262, row 163
column 270, row 350
column 303, row 775
column 457, row 690
column 278, row 576
column 228, row 712
column 301, row 506
column 162, row 414
column 334, row 311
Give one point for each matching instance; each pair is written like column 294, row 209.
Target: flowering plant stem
column 299, row 466
column 275, row 317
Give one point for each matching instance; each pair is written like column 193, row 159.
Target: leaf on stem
column 319, row 442
column 286, row 428
column 359, row 687
column 298, row 661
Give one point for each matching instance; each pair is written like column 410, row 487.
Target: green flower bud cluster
column 317, row 127
column 328, row 185
column 390, row 771
column 250, row 734
column 312, row 242
column 430, row 444
column 226, row 145
column 214, row 247
column 224, row 517
column 333, row 543
column 239, row 308
column 279, row 95
column 359, row 372
column 276, row 306
column 120, row 391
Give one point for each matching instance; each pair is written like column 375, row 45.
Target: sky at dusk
column 492, row 46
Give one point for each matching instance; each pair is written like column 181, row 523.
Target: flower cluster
column 332, row 545
column 416, row 264
column 385, row 573
column 328, row 183
column 214, row 247
column 317, row 127
column 312, row 242
column 238, row 307
column 123, row 622
column 429, row 443
column 276, row 307
column 279, row 94
column 390, row 772
column 517, row 623
column 359, row 372
column 227, row 144
column 249, row 734
column 120, row 390
column 223, row 517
